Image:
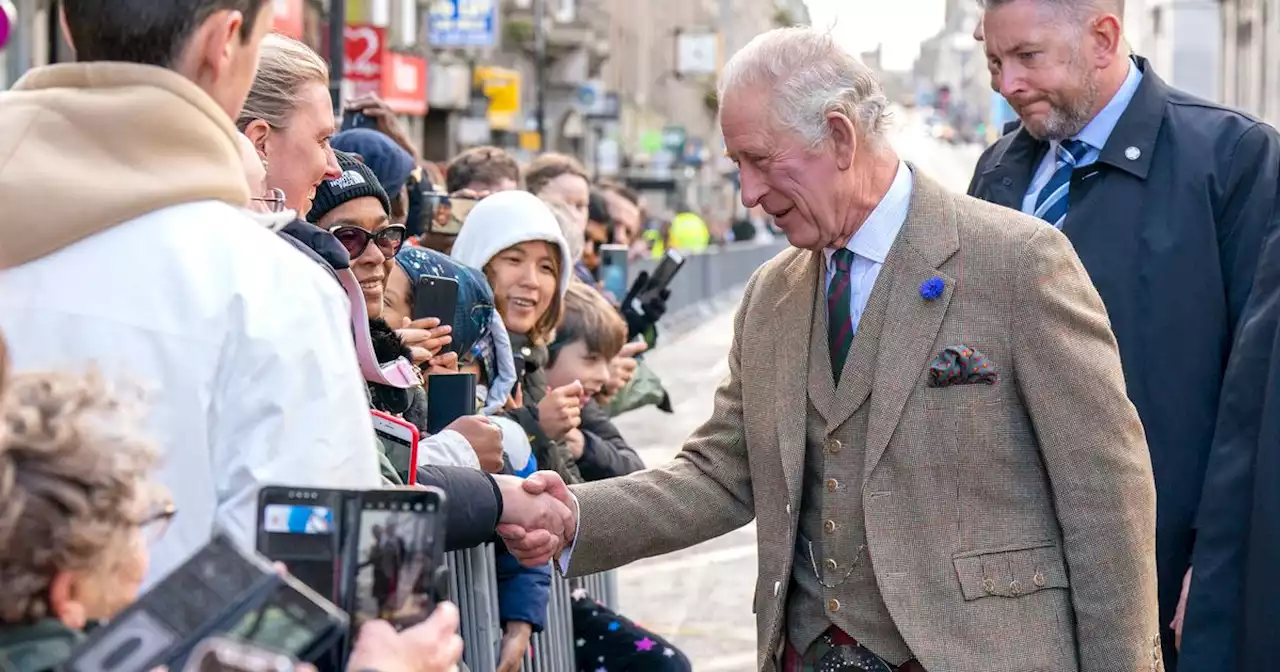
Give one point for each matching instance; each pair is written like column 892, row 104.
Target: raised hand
column 425, row 338
column 485, row 438
column 561, row 411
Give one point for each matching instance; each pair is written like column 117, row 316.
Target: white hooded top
column 505, row 220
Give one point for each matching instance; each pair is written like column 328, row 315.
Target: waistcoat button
column 829, row 526
column 832, row 484
column 833, row 605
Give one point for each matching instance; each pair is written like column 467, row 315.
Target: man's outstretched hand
column 539, row 517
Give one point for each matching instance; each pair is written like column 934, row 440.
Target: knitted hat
column 388, row 160
column 356, row 181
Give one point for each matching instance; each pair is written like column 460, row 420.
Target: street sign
column 365, row 53
column 673, row 139
column 462, row 23
column 502, row 86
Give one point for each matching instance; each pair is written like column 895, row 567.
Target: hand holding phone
column 436, row 297
column 426, row 338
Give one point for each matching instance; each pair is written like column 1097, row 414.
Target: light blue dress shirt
column 870, row 245
column 1095, row 134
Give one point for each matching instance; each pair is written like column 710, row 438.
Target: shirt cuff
column 566, row 556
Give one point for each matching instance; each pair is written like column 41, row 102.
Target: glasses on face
column 156, row 522
column 273, row 201
column 356, row 239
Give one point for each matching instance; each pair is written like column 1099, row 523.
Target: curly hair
column 73, row 466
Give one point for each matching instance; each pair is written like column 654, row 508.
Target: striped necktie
column 1051, row 204
column 839, row 311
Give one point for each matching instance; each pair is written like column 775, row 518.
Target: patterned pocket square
column 962, row 365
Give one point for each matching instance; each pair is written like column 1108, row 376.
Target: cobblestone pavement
column 700, row 598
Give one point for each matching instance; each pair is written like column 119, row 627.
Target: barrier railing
column 474, row 586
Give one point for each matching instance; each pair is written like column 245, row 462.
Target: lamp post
column 337, row 51
column 540, row 70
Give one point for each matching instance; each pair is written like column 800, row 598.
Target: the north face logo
column 349, row 179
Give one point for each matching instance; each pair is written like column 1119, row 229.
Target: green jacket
column 40, row 647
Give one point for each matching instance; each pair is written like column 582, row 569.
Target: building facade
column 1250, row 77
column 1182, row 39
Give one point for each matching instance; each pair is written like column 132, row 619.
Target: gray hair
column 284, row 66
column 1074, row 9
column 811, row 77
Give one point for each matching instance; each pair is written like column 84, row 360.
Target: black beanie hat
column 356, row 181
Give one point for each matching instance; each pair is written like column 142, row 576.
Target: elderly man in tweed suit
column 925, row 413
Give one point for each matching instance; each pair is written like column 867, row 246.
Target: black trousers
column 605, row 641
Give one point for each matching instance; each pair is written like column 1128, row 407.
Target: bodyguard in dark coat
column 1165, row 197
column 1232, row 622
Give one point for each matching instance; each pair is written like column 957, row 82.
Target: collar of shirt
column 876, row 235
column 1098, row 131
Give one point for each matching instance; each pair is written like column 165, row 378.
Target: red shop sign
column 366, row 50
column 404, row 83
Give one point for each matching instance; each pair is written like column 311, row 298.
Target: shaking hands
column 539, row 517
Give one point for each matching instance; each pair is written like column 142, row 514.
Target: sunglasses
column 274, row 200
column 356, row 240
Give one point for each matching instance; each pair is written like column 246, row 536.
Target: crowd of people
column 213, row 239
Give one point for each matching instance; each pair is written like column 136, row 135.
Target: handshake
column 539, row 517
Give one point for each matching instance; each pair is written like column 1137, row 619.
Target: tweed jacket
column 1011, row 527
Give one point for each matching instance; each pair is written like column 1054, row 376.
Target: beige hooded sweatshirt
column 87, row 146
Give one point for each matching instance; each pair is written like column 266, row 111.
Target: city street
column 700, row 598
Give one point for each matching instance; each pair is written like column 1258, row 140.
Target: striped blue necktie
column 1051, row 204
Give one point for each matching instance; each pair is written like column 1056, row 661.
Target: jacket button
column 832, row 484
column 832, row 565
column 1015, row 587
column 1038, row 579
column 833, row 605
column 834, row 446
column 829, row 526
column 777, row 586
column 989, row 585
column 1008, row 182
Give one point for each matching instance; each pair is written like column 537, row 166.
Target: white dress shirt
column 870, row 245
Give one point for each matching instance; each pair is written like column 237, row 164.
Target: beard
column 1069, row 115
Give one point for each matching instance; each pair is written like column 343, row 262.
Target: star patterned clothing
column 605, row 641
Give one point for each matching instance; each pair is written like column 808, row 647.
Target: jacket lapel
column 1007, row 179
column 927, row 240
column 791, row 365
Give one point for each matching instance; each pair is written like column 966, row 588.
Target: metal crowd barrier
column 474, row 586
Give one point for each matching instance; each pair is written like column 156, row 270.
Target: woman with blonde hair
column 289, row 118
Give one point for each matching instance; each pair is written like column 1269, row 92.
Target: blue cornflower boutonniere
column 932, row 288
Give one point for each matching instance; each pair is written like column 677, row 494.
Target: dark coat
column 1168, row 222
column 1233, row 611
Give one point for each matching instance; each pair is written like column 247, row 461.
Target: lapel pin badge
column 932, row 288
column 1132, row 153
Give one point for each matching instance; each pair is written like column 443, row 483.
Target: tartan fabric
column 839, row 315
column 835, row 651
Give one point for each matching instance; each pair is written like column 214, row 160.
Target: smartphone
column 436, row 297
column 401, row 440
column 460, row 208
column 222, row 654
column 219, row 590
column 302, row 528
column 667, row 269
column 449, row 396
column 613, row 270
column 355, row 119
column 398, row 571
